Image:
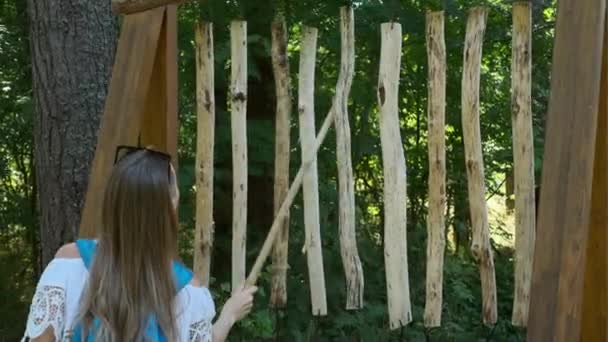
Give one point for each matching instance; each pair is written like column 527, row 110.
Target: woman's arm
column 235, row 309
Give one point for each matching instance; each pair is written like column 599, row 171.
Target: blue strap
column 87, row 248
column 182, row 276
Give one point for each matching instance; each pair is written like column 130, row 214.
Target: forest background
column 55, row 62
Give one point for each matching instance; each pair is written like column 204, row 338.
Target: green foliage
column 462, row 297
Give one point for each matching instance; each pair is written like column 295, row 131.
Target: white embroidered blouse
column 56, row 300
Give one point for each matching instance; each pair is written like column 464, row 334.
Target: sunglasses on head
column 123, row 151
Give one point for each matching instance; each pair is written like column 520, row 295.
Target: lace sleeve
column 47, row 310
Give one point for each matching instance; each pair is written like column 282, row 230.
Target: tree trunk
column 280, row 63
column 480, row 247
column 311, row 182
column 393, row 161
column 523, row 155
column 436, row 121
column 348, row 235
column 72, row 45
column 238, row 103
column 205, row 100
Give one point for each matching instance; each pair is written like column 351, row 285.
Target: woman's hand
column 240, row 304
column 235, row 309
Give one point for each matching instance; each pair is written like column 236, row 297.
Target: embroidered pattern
column 200, row 331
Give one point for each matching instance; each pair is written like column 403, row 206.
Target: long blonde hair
column 131, row 276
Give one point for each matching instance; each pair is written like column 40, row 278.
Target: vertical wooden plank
column 523, row 155
column 563, row 219
column 347, row 225
column 595, row 298
column 393, row 160
column 159, row 120
column 205, row 139
column 129, row 85
column 134, row 6
column 480, row 246
column 306, row 103
column 171, row 73
column 238, row 108
column 435, row 44
column 282, row 80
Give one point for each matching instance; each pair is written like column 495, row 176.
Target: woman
column 127, row 286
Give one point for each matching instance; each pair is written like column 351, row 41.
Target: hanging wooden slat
column 238, row 108
column 134, row 6
column 130, row 84
column 306, row 103
column 393, row 160
column 435, row 44
column 481, row 248
column 595, row 299
column 560, row 252
column 205, row 139
column 347, row 225
column 523, row 159
column 280, row 65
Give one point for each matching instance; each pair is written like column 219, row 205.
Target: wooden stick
column 280, row 64
column 205, row 100
column 135, row 6
column 238, row 102
column 348, row 235
column 435, row 248
column 395, row 197
column 523, row 155
column 274, row 230
column 480, row 247
column 306, row 102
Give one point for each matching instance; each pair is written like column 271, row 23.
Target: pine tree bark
column 72, row 45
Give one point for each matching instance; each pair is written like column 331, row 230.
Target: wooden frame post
column 567, row 304
column 141, row 102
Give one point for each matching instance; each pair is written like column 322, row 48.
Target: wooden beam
column 565, row 202
column 523, row 159
column 595, row 300
column 435, row 245
column 159, row 120
column 353, row 270
column 205, row 142
column 238, row 124
column 125, row 104
column 280, row 68
column 312, row 226
column 395, row 184
column 135, row 6
column 471, row 130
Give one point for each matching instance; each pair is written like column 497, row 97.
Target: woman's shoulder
column 68, row 251
column 66, row 265
column 195, row 296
